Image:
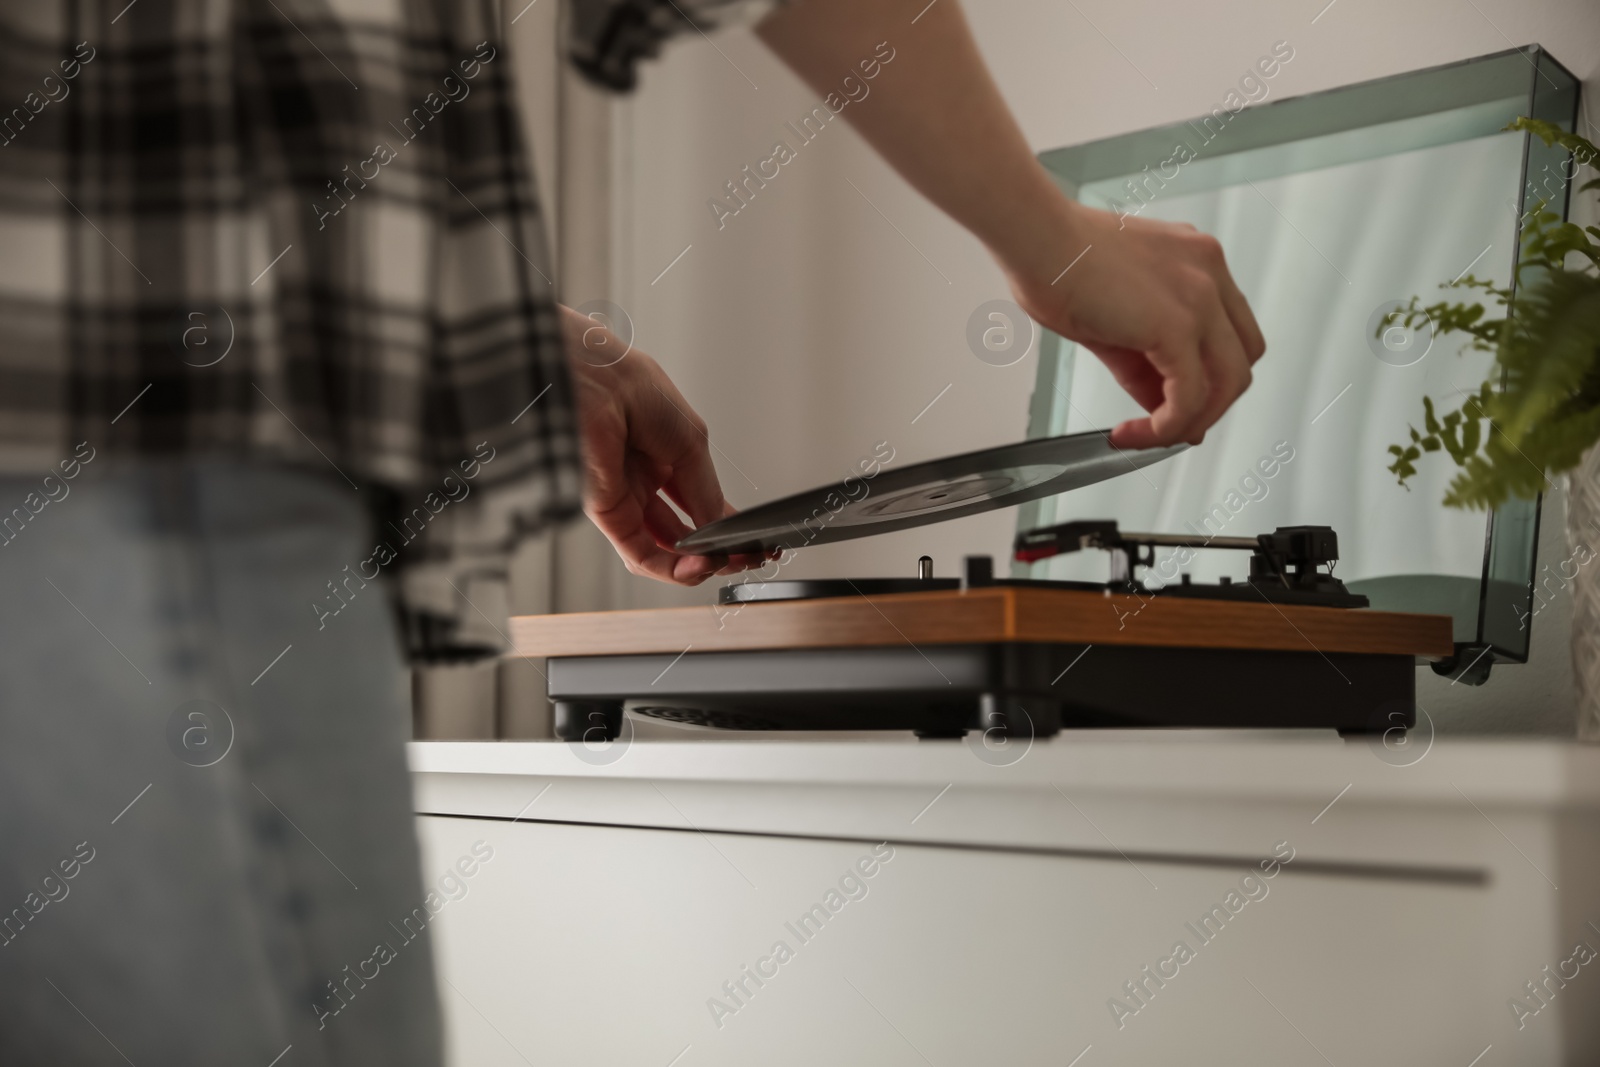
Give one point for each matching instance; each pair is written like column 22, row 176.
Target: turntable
column 1289, row 646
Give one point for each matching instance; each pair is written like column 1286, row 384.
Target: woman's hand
column 1155, row 302
column 641, row 438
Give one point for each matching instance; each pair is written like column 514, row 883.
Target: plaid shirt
column 267, row 228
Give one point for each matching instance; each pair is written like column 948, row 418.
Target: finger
column 1239, row 314
column 694, row 487
column 683, row 442
column 633, row 541
column 628, row 525
column 605, row 451
column 1132, row 371
column 1227, row 371
column 668, row 529
column 1183, row 389
column 664, row 523
column 672, row 528
column 743, row 561
column 631, row 537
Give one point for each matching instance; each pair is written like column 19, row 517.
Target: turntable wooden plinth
column 993, row 615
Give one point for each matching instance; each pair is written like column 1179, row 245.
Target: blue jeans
column 205, row 818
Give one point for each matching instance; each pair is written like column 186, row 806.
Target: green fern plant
column 1539, row 410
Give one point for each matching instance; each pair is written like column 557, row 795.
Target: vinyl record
column 924, row 493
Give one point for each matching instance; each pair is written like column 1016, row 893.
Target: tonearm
column 1288, row 560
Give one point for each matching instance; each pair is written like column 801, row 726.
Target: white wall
column 808, row 328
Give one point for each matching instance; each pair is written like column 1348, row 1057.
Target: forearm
column 935, row 115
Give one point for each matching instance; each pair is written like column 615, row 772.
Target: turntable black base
column 1017, row 689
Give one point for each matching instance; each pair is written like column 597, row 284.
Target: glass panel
column 1332, row 209
column 1511, row 558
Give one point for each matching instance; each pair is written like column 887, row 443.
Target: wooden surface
column 983, row 616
